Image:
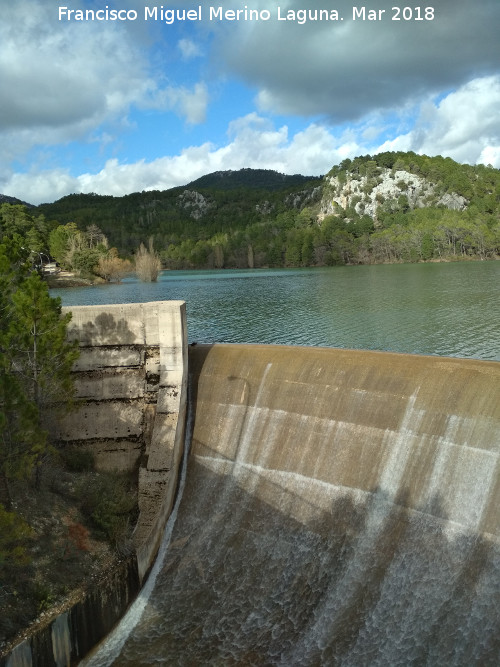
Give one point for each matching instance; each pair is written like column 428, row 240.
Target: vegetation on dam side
column 61, row 522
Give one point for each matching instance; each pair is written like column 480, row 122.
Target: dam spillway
column 341, row 508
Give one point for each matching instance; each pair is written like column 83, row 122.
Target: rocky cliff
column 384, row 188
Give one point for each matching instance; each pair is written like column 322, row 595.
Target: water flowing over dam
column 340, row 508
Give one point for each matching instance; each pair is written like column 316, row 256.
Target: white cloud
column 38, row 187
column 189, row 49
column 464, row 125
column 342, row 70
column 61, row 80
column 490, row 155
column 189, row 104
column 58, row 75
column 252, row 142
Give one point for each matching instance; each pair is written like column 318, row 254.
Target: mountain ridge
column 265, row 179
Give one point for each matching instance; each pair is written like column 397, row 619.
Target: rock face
column 195, row 203
column 453, row 201
column 303, row 198
column 390, row 189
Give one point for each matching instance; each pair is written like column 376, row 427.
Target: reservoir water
column 438, row 309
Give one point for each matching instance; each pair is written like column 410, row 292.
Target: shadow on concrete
column 106, row 330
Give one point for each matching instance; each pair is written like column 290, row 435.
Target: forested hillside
column 192, row 214
column 388, row 207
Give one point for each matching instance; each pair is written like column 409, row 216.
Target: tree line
column 86, row 253
column 295, row 240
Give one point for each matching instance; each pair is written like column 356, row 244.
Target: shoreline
column 68, row 279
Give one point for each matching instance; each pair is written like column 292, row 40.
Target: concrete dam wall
column 422, row 431
column 131, row 387
column 341, row 508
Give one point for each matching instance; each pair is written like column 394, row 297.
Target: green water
column 440, row 309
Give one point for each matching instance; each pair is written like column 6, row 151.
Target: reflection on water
column 442, row 309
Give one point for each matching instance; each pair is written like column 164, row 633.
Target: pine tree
column 35, row 364
column 37, row 341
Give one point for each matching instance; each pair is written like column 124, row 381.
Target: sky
column 149, row 102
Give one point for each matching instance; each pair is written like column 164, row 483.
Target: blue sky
column 116, row 106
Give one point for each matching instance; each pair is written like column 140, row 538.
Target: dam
column 340, row 507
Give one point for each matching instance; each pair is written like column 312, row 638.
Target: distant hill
column 263, row 179
column 213, row 204
column 5, row 199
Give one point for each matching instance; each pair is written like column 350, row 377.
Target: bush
column 112, row 268
column 43, row 595
column 77, row 459
column 111, row 504
column 147, row 263
column 14, row 533
column 85, row 260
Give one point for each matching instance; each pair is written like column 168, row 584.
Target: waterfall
column 340, row 508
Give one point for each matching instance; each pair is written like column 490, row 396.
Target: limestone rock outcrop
column 393, row 190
